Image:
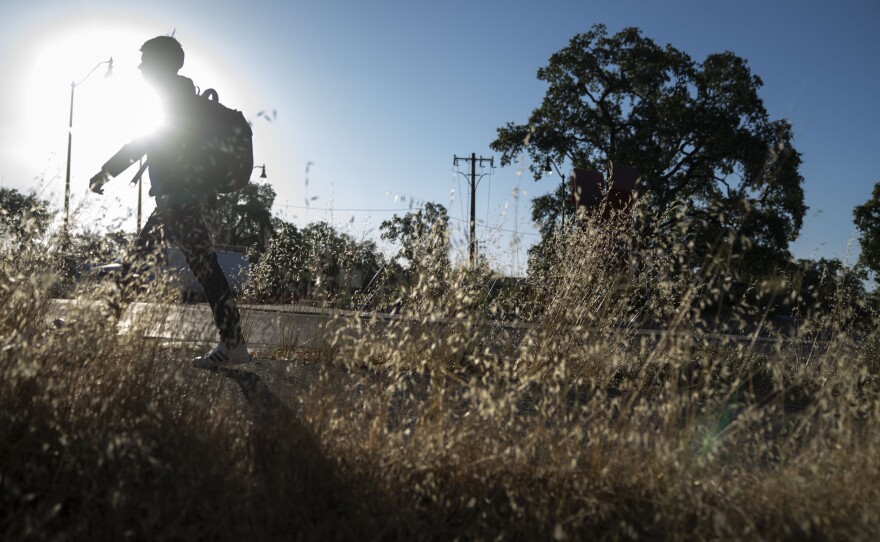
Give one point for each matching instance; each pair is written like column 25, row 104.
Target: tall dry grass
column 566, row 422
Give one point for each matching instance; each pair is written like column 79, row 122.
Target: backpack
column 219, row 156
column 214, row 152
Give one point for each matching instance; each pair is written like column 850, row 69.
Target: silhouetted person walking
column 180, row 198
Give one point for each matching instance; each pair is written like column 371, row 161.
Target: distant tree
column 24, row 222
column 423, row 237
column 22, row 217
column 279, row 274
column 244, row 218
column 827, row 287
column 697, row 132
column 314, row 261
column 867, row 220
column 99, row 248
column 335, row 262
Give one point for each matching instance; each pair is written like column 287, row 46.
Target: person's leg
column 145, row 255
column 190, row 231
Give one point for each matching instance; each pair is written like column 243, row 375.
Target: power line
column 497, row 228
column 489, row 194
column 456, row 174
column 286, row 206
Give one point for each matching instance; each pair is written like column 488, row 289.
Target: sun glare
column 108, row 109
column 131, row 109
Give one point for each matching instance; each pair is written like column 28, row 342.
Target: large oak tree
column 697, row 132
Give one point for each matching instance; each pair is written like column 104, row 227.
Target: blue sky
column 380, row 96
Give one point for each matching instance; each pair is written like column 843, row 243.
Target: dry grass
column 441, row 425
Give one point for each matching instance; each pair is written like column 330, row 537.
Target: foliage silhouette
column 867, row 220
column 244, row 218
column 697, row 132
column 423, row 236
column 22, row 217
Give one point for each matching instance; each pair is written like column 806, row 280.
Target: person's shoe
column 223, row 356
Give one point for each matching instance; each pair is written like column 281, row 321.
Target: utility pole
column 140, row 199
column 73, row 86
column 472, row 248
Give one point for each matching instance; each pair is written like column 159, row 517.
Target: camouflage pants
column 184, row 226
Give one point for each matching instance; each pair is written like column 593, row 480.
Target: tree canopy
column 697, row 132
column 423, row 236
column 867, row 220
column 22, row 216
column 244, row 218
column 315, row 261
column 97, row 248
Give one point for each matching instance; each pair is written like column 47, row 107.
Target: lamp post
column 73, row 86
column 548, row 170
column 263, row 174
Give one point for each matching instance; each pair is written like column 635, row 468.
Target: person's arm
column 118, row 163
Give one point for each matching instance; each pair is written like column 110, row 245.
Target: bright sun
column 54, row 51
column 108, row 110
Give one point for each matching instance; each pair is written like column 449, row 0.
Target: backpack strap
column 139, row 174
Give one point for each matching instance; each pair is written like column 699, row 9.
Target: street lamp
column 548, row 170
column 73, row 86
column 263, row 174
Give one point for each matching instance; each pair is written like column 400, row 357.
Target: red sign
column 590, row 189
